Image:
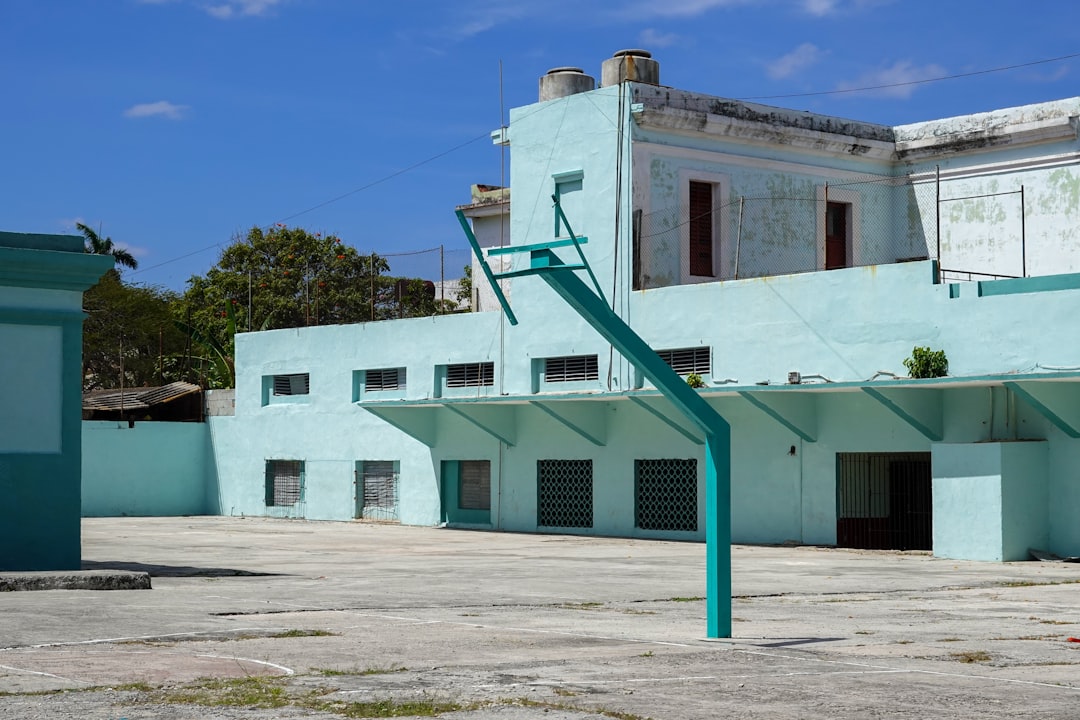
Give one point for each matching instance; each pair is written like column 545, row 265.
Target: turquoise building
column 42, row 278
column 790, row 262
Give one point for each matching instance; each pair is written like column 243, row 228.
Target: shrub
column 927, row 363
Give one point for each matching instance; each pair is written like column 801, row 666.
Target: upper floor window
column 685, row 361
column 384, row 379
column 281, row 389
column 296, row 384
column 465, row 375
column 571, row 368
column 702, row 229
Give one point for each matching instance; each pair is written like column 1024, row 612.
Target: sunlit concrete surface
column 521, row 626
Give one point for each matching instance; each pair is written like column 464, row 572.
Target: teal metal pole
column 718, row 534
column 717, row 431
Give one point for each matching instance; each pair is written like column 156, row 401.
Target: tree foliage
column 96, row 245
column 289, row 277
column 131, row 326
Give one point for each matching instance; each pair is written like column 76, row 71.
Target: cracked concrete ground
column 331, row 618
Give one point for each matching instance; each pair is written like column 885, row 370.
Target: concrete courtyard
column 259, row 618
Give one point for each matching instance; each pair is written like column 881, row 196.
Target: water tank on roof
column 564, row 81
column 634, row 65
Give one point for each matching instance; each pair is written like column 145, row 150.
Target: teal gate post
column 594, row 309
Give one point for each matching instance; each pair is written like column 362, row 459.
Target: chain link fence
column 809, row 226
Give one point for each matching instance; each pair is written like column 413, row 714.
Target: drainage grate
column 564, row 493
column 665, row 495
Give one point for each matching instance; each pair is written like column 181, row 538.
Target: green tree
column 131, row 327
column 283, row 277
column 96, row 245
column 464, row 293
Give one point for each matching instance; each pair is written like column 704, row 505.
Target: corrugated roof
column 137, row 398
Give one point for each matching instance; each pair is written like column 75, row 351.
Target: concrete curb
column 75, row 580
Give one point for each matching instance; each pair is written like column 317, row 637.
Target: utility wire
column 913, row 82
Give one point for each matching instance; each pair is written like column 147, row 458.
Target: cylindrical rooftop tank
column 635, row 65
column 564, row 81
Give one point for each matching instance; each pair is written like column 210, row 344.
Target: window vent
column 571, row 368
column 291, row 384
column 474, row 491
column 284, row 482
column 384, row 379
column 564, row 493
column 688, row 360
column 665, row 495
column 470, row 375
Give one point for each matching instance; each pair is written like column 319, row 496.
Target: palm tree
column 96, row 246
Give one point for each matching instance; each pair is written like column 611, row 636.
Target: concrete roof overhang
column 917, row 402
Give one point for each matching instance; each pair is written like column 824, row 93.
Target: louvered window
column 284, row 482
column 296, row 384
column 688, row 360
column 384, row 379
column 474, row 489
column 470, row 375
column 571, row 368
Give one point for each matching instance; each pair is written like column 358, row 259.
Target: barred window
column 295, row 384
column 378, row 491
column 284, row 482
column 665, row 495
column 384, row 379
column 474, row 485
column 564, row 493
column 571, row 368
column 470, row 375
column 688, row 360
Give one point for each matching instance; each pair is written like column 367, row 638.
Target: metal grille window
column 564, row 493
column 688, row 360
column 384, row 379
column 665, row 495
column 470, row 375
column 474, row 488
column 284, row 482
column 296, row 384
column 884, row 501
column 571, row 368
column 378, row 491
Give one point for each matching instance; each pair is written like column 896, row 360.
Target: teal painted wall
column 990, row 500
column 153, row 469
column 41, row 284
column 968, row 503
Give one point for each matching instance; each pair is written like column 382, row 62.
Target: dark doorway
column 836, row 235
column 884, row 501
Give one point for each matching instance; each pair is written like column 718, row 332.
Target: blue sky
column 174, row 125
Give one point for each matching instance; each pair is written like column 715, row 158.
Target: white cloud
column 651, row 38
column 896, row 81
column 161, row 108
column 677, row 8
column 226, row 9
column 241, row 8
column 820, row 8
column 795, row 61
column 479, row 19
